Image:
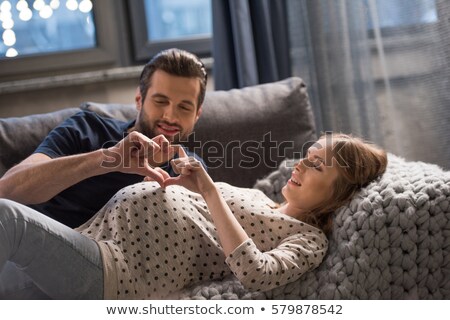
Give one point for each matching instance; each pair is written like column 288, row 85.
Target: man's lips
column 167, row 129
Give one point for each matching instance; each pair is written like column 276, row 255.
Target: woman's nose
column 303, row 164
column 300, row 165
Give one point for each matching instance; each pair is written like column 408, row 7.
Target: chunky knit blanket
column 392, row 241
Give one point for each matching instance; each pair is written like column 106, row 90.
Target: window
column 45, row 27
column 177, row 19
column 162, row 24
column 403, row 13
column 44, row 37
column 96, row 49
column 391, row 24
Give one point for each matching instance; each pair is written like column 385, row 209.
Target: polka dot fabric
column 156, row 242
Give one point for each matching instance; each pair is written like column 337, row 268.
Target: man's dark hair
column 175, row 62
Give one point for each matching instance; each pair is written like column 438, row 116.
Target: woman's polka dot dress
column 155, row 242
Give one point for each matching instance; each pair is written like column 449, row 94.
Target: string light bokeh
column 12, row 11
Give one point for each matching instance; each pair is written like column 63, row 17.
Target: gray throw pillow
column 243, row 134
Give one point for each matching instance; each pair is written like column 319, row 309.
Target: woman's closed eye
column 316, row 164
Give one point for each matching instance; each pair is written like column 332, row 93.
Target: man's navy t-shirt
column 84, row 132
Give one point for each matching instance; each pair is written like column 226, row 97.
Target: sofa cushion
column 242, row 135
column 124, row 112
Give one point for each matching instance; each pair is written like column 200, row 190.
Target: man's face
column 170, row 107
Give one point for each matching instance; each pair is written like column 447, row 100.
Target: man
column 83, row 162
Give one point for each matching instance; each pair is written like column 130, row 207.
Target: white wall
column 51, row 94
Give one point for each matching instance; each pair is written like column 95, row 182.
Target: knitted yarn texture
column 392, row 241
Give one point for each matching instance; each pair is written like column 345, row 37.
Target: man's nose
column 169, row 113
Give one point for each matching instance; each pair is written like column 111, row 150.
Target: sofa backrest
column 20, row 136
column 242, row 134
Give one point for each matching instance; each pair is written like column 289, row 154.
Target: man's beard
column 148, row 129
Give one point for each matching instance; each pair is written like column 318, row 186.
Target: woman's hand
column 192, row 175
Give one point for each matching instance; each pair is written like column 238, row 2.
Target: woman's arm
column 195, row 178
column 293, row 257
column 230, row 232
column 255, row 269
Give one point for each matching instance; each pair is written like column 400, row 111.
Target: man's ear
column 138, row 99
column 199, row 113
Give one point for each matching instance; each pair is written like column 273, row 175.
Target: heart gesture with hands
column 192, row 174
column 138, row 154
column 194, row 177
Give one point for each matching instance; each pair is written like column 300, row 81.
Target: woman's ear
column 138, row 99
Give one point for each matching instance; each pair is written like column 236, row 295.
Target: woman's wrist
column 209, row 192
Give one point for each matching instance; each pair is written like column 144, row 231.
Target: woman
column 154, row 241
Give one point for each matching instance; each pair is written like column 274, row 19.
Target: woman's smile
column 295, row 181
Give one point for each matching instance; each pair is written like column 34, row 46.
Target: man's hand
column 138, row 154
column 164, row 154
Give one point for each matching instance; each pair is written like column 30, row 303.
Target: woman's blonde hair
column 359, row 162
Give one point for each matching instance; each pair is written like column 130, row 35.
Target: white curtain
column 379, row 69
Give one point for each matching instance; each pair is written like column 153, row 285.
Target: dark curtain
column 251, row 42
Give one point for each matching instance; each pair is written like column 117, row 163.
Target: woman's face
column 311, row 183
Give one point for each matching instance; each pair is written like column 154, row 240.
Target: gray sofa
column 392, row 241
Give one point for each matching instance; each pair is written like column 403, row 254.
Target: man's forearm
column 36, row 182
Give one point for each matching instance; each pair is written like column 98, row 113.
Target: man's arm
column 39, row 178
